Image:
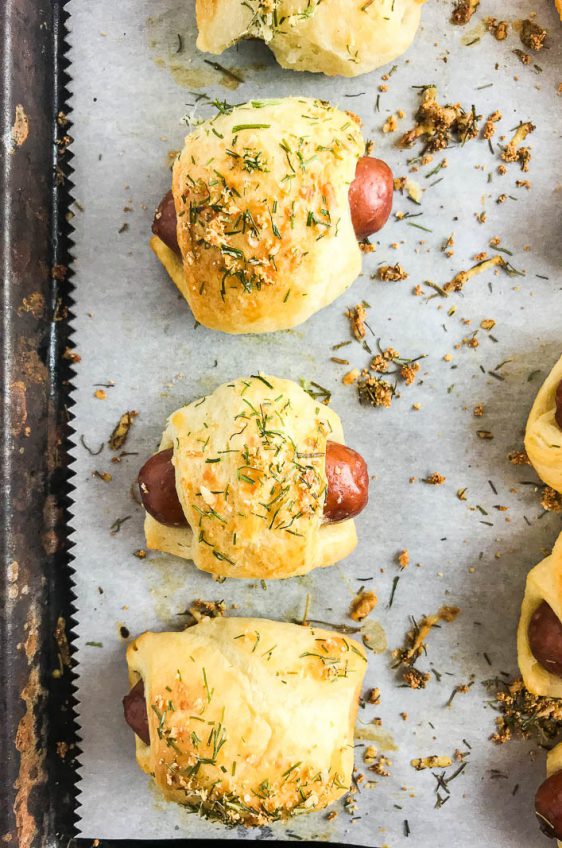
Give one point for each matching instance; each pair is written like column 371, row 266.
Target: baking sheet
column 133, row 80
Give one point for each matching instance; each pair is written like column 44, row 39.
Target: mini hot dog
column 135, row 712
column 209, row 697
column 370, row 202
column 269, row 198
column 254, row 481
column 545, row 638
column 346, row 496
column 539, row 635
column 548, row 798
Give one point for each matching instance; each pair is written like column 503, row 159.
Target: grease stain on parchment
column 172, row 42
column 383, row 740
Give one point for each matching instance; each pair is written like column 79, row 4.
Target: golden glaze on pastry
column 544, row 583
column 333, row 37
column 251, row 478
column 543, row 436
column 264, row 222
column 250, row 720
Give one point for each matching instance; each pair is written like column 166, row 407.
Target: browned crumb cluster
column 392, row 273
column 406, row 657
column 357, row 315
column 438, row 125
column 499, row 29
column 200, row 609
column 362, row 605
column 519, row 458
column 523, row 714
column 463, row 11
column 532, row 35
column 374, row 696
column 377, row 763
column 489, row 129
column 551, row 500
column 404, row 558
column 434, row 479
column 515, row 151
column 121, row 430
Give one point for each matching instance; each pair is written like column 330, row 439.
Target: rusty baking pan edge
column 39, row 737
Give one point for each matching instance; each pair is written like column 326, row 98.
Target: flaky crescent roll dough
column 543, row 436
column 544, row 583
column 264, row 224
column 250, row 720
column 251, row 479
column 333, row 37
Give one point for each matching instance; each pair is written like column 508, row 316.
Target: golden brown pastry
column 543, row 436
column 333, row 37
column 248, row 720
column 254, row 480
column 539, row 636
column 268, row 200
column 548, row 799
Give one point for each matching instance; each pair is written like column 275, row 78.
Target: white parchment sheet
column 133, row 80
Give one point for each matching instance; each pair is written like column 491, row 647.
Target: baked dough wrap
column 543, row 436
column 251, row 479
column 333, row 37
column 264, row 223
column 553, row 765
column 544, row 583
column 250, row 720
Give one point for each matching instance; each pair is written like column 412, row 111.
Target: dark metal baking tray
column 38, row 734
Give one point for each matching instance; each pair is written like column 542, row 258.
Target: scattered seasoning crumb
column 487, row 324
column 458, row 282
column 140, row 553
column 362, row 605
column 375, row 391
column 357, row 315
column 437, row 125
column 463, row 11
column 489, row 129
column 434, row 479
column 478, row 410
column 374, row 696
column 415, row 646
column 103, row 475
column 514, row 151
column 499, row 29
column 100, row 394
column 551, row 500
column 391, row 273
column 351, row 377
column 519, row 458
column 523, row 714
column 421, row 763
column 121, row 430
column 333, row 814
column 404, row 558
column 532, row 35
column 485, row 434
column 200, row 609
column 461, row 494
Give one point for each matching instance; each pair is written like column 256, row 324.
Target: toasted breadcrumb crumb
column 363, row 604
column 357, row 315
column 478, row 410
column 392, row 273
column 519, row 458
column 532, row 35
column 435, row 761
column 435, row 479
column 551, row 500
column 499, row 29
column 463, row 11
column 404, row 558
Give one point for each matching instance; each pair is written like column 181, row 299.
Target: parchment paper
column 133, row 79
